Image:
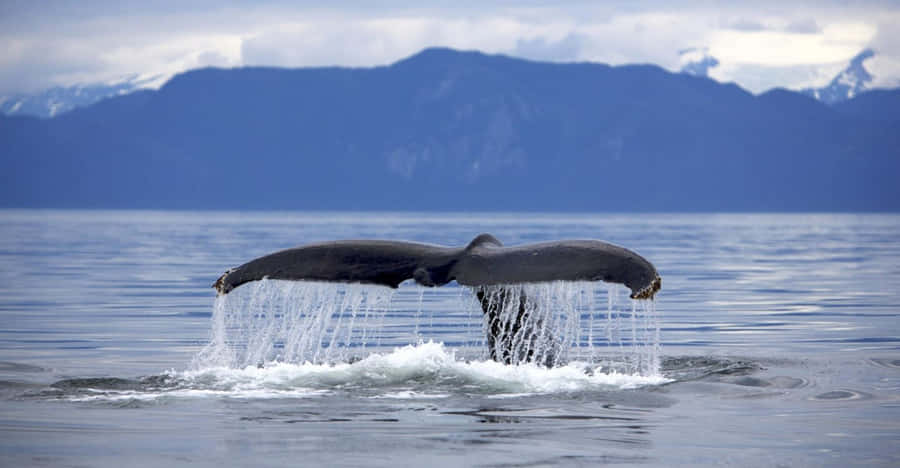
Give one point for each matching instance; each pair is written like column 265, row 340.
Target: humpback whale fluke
column 484, row 264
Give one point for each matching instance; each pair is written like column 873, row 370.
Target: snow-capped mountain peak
column 848, row 83
column 54, row 101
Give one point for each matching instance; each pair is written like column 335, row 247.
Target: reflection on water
column 780, row 345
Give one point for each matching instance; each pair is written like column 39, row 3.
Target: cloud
column 642, row 38
column 213, row 58
column 837, row 42
column 803, row 26
column 885, row 65
column 106, row 50
column 746, row 25
column 566, row 49
column 696, row 61
column 789, row 43
column 762, row 60
column 347, row 43
column 379, row 41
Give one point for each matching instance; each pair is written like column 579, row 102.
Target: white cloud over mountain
column 760, row 46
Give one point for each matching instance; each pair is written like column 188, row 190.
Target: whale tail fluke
column 492, row 270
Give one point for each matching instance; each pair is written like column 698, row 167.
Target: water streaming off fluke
column 553, row 323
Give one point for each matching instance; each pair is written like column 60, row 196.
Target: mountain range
column 453, row 130
column 51, row 102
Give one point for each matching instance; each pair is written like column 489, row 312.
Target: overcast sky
column 760, row 44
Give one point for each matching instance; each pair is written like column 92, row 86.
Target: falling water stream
column 273, row 321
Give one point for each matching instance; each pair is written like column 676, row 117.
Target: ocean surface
column 775, row 341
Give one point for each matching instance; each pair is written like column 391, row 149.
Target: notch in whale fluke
column 483, row 262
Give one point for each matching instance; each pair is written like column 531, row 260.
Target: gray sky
column 759, row 45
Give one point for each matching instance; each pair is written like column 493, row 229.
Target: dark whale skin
column 484, row 262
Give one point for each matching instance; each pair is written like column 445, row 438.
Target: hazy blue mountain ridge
column 456, row 131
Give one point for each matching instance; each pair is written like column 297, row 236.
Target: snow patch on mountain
column 57, row 100
column 848, row 83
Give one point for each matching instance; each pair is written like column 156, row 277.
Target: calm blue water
column 780, row 345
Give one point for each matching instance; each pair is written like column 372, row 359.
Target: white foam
column 411, row 395
column 149, row 396
column 425, row 370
